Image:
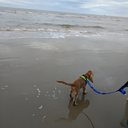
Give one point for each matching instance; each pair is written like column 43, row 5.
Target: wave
column 49, row 27
column 74, row 26
column 50, row 33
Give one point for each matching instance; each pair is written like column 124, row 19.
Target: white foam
column 4, row 87
column 53, row 94
column 40, row 107
column 38, row 92
column 44, row 117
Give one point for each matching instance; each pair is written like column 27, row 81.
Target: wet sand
column 30, row 96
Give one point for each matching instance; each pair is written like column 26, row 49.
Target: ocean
column 44, row 24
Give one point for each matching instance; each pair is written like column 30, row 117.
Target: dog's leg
column 75, row 99
column 73, row 96
column 84, row 88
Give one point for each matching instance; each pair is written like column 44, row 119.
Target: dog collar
column 83, row 77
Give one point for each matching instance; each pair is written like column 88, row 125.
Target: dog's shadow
column 74, row 111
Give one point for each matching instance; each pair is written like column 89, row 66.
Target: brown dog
column 78, row 84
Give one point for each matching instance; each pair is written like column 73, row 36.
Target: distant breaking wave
column 48, row 27
column 48, row 30
column 73, row 26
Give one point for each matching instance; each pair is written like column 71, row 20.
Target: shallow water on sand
column 30, row 96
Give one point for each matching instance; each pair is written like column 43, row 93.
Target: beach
column 37, row 48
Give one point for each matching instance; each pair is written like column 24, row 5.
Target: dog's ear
column 89, row 74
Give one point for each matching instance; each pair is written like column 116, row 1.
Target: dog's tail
column 63, row 82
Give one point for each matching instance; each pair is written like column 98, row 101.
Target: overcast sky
column 100, row 7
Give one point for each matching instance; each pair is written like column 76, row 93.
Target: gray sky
column 100, row 7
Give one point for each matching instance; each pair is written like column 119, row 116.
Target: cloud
column 102, row 7
column 103, row 3
column 15, row 1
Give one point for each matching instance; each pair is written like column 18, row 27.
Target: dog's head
column 89, row 75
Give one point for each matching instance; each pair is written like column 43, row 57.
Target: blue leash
column 121, row 89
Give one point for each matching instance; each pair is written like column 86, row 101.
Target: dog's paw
column 71, row 98
column 84, row 93
column 75, row 104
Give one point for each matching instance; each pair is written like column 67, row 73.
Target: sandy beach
column 37, row 48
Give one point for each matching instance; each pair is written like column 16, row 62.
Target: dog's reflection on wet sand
column 75, row 111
